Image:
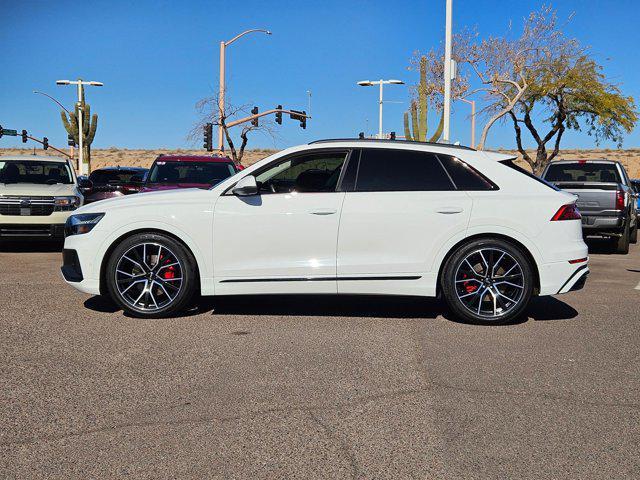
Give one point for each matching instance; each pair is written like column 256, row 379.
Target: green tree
column 570, row 91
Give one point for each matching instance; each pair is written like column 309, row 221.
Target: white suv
column 334, row 217
column 37, row 194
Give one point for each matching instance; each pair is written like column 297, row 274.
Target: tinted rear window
column 102, row 177
column 582, row 172
column 464, row 176
column 384, row 170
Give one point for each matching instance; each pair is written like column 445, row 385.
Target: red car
column 188, row 171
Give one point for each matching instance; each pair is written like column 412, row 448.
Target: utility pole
column 473, row 120
column 447, row 73
column 369, row 83
column 80, row 85
column 221, row 94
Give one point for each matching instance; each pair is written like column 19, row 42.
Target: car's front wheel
column 151, row 275
column 488, row 281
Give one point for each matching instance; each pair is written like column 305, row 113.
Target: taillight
column 567, row 212
column 619, row 200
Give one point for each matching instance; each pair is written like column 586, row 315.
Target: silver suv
column 37, row 194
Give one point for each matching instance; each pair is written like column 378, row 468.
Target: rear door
column 402, row 209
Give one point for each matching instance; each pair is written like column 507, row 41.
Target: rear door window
column 464, row 176
column 394, row 170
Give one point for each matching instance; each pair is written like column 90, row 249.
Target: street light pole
column 80, row 85
column 447, row 73
column 473, row 120
column 221, row 94
column 381, row 82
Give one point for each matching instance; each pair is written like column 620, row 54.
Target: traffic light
column 361, row 135
column 208, row 137
column 254, row 111
column 279, row 115
column 45, row 143
column 392, row 136
column 299, row 115
column 24, row 136
column 1, row 131
column 70, row 141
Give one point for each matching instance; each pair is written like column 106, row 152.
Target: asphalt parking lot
column 317, row 387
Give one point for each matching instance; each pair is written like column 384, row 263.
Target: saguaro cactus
column 89, row 125
column 419, row 110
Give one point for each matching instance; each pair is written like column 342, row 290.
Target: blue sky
column 157, row 58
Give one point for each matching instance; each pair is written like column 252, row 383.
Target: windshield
column 207, row 173
column 33, row 171
column 114, row 177
column 582, row 172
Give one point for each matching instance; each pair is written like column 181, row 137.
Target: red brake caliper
column 169, row 273
column 468, row 285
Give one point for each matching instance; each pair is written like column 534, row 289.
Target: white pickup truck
column 37, row 194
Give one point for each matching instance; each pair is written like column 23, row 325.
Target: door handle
column 326, row 211
column 449, row 210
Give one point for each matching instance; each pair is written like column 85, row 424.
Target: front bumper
column 33, row 226
column 35, row 231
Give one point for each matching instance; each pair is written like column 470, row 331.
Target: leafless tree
column 504, row 66
column 209, row 112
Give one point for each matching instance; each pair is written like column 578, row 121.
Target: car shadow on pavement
column 550, row 308
column 324, row 306
column 367, row 306
column 600, row 246
column 31, row 246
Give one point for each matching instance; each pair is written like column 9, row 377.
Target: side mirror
column 246, row 186
column 84, row 184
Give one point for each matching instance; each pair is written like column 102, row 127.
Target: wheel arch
column 499, row 236
column 114, row 243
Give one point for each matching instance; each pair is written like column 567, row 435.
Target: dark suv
column 169, row 172
column 111, row 182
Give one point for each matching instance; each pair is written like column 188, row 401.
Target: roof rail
column 388, row 140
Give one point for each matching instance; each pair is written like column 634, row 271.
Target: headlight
column 81, row 223
column 66, row 203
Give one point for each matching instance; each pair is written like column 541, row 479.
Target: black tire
column 171, row 257
column 458, row 274
column 622, row 243
column 633, row 238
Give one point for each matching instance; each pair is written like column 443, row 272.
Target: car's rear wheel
column 634, row 233
column 622, row 243
column 488, row 281
column 151, row 275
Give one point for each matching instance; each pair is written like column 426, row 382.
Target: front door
column 284, row 238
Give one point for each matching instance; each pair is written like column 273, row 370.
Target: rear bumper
column 576, row 281
column 592, row 224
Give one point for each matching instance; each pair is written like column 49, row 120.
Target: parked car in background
column 37, row 194
column 635, row 183
column 339, row 217
column 111, row 182
column 170, row 172
column 606, row 198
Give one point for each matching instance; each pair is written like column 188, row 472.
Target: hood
column 173, row 186
column 156, row 198
column 37, row 190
